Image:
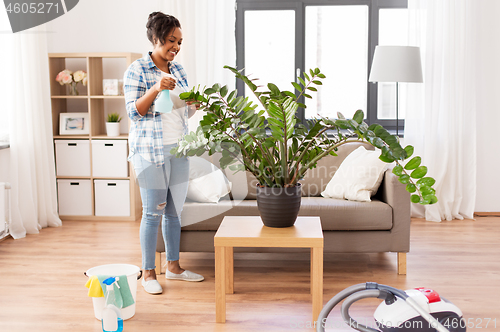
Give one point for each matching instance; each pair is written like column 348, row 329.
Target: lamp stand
column 397, row 109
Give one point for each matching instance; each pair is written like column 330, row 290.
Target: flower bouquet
column 72, row 79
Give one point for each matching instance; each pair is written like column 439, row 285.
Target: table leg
column 317, row 281
column 220, row 282
column 229, row 256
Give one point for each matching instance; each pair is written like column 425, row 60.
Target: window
column 276, row 39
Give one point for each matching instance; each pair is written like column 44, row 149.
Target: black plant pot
column 279, row 207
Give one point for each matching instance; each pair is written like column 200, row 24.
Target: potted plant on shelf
column 278, row 150
column 113, row 124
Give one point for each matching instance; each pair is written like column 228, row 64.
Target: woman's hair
column 159, row 25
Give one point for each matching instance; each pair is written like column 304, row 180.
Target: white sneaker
column 152, row 286
column 185, row 276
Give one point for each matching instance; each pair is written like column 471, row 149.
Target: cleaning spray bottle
column 164, row 104
column 112, row 320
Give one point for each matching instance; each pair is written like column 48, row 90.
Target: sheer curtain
column 25, row 96
column 209, row 42
column 441, row 113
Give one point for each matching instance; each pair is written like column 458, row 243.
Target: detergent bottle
column 112, row 320
column 163, row 103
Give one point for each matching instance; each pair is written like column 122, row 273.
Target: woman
column 163, row 178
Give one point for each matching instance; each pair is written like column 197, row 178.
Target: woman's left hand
column 193, row 103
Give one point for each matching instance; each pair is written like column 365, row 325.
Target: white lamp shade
column 396, row 64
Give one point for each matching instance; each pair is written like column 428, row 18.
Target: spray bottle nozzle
column 109, row 281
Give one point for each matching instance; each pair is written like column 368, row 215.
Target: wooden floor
column 42, row 280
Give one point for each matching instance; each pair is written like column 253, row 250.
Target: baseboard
column 486, row 214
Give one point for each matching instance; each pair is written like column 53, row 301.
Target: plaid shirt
column 146, row 134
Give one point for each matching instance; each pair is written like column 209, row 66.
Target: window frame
column 300, row 7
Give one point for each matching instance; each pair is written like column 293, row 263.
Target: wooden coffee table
column 250, row 232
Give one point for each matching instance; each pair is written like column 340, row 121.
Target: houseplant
column 278, row 150
column 113, row 124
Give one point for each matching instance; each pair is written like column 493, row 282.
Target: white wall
column 119, row 26
column 102, row 26
column 488, row 108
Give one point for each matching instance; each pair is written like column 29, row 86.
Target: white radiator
column 5, row 215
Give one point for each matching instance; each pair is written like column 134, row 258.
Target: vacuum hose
column 369, row 290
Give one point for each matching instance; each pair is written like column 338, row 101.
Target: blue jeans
column 163, row 193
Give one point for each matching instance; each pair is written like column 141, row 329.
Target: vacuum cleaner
column 414, row 310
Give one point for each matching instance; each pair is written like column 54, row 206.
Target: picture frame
column 74, row 123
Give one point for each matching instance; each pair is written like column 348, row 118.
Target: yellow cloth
column 95, row 289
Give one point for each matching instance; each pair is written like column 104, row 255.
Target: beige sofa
column 382, row 225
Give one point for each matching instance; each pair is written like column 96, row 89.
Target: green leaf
column 317, row 82
column 321, row 76
column 411, row 188
column 312, row 88
column 409, row 151
column 185, row 95
column 427, row 181
column 306, row 76
column 209, row 91
column 425, row 190
column 413, row 163
column 415, row 198
column 274, row 89
column 302, row 81
column 377, row 142
column 296, row 86
column 307, row 96
column 419, row 172
column 358, row 116
column 386, row 159
column 342, row 124
column 398, row 170
column 231, row 95
column 223, row 91
column 404, row 179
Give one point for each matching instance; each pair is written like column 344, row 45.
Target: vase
column 113, row 129
column 279, row 207
column 72, row 89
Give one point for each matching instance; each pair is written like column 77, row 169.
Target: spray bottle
column 163, row 103
column 112, row 320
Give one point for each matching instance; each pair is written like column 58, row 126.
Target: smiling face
column 171, row 46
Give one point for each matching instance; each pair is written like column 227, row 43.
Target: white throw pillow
column 358, row 177
column 207, row 183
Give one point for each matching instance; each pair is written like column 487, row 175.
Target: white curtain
column 25, row 96
column 441, row 113
column 208, row 29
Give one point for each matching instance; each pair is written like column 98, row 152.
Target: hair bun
column 153, row 14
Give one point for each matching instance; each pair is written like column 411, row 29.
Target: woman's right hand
column 165, row 83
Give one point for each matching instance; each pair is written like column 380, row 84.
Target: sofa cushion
column 208, row 216
column 207, row 183
column 358, row 177
column 335, row 214
column 342, row 215
column 316, row 179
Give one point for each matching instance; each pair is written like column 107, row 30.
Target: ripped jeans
column 163, row 193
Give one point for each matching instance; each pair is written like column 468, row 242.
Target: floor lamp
column 396, row 64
